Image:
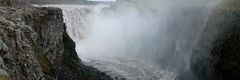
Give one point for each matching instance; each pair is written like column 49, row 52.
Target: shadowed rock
column 217, row 56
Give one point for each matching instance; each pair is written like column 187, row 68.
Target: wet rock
column 217, row 56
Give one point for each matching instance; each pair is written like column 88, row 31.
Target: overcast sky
column 101, row 0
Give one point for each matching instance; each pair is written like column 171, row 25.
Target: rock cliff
column 35, row 46
column 217, row 55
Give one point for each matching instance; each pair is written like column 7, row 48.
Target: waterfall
column 76, row 18
column 138, row 40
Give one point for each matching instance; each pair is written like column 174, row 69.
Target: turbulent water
column 136, row 41
column 129, row 69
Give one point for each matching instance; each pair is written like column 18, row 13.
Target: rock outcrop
column 35, row 46
column 217, row 56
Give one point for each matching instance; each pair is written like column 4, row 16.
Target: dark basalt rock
column 217, row 56
column 35, row 46
column 72, row 69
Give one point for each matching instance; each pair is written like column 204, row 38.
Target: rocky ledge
column 35, row 46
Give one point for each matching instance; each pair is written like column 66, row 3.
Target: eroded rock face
column 35, row 46
column 18, row 47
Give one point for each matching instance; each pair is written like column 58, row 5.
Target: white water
column 94, row 46
column 132, row 69
column 138, row 41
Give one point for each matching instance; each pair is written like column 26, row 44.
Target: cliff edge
column 35, row 46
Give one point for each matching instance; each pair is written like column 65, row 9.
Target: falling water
column 137, row 39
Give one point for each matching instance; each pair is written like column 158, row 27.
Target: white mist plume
column 135, row 27
column 163, row 32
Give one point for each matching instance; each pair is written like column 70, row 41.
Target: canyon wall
column 35, row 46
column 216, row 57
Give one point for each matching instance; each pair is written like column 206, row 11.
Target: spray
column 159, row 32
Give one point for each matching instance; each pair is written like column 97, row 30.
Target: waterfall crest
column 76, row 19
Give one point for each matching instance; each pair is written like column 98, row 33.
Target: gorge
column 124, row 40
